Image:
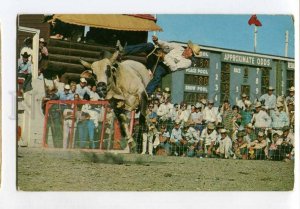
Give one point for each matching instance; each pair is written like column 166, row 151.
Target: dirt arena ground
column 77, row 170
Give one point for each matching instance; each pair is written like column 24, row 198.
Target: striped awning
column 111, row 21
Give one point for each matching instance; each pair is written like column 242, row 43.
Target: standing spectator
column 269, row 99
column 225, row 147
column 241, row 103
column 208, row 138
column 24, row 71
column 279, row 118
column 43, row 55
column 184, row 114
column 27, row 47
column 86, row 130
column 291, row 96
column 82, row 89
column 65, row 94
column 257, row 147
column 176, row 137
column 68, row 117
column 150, row 130
column 196, row 117
column 246, row 114
column 94, row 96
column 165, row 113
column 210, row 113
column 240, row 146
column 73, row 87
column 261, row 119
column 228, row 117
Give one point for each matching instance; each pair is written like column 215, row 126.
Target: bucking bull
column 123, row 84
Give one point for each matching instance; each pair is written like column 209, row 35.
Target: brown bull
column 123, row 84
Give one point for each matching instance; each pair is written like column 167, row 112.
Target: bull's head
column 103, row 69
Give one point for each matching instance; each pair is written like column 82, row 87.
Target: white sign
column 194, row 70
column 195, row 88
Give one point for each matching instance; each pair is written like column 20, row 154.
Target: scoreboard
column 220, row 74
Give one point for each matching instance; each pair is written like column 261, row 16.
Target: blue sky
column 230, row 31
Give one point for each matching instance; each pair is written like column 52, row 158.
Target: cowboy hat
column 279, row 104
column 292, row 88
column 197, row 105
column 271, row 88
column 240, row 133
column 249, row 125
column 167, row 90
column 203, row 101
column 260, row 133
column 244, row 95
column 258, row 104
column 210, row 101
column 82, row 80
column 67, row 87
column 248, row 103
column 25, row 55
column 42, row 40
column 285, row 128
column 223, row 131
column 211, row 126
column 195, row 48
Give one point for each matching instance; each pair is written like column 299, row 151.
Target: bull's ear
column 85, row 64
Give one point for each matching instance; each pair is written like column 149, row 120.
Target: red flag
column 253, row 20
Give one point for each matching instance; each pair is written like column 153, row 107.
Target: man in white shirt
column 210, row 113
column 82, row 89
column 261, row 119
column 173, row 57
column 208, row 138
column 241, row 103
column 269, row 99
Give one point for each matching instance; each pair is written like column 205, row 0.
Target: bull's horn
column 114, row 57
column 85, row 64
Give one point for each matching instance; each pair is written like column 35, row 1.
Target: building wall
column 229, row 75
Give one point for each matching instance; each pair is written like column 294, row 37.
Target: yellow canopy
column 110, row 21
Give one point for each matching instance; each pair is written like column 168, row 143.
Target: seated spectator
column 192, row 137
column 257, row 147
column 288, row 144
column 24, row 71
column 291, row 96
column 208, row 139
column 225, row 147
column 274, row 148
column 164, row 147
column 82, row 88
column 229, row 117
column 240, row 146
column 250, row 133
column 176, row 137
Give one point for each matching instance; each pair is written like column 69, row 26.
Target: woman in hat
column 172, row 58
